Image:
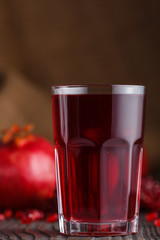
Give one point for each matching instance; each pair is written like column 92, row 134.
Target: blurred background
column 74, row 42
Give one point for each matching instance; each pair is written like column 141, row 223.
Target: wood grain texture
column 14, row 230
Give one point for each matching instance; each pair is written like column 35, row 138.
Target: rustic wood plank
column 21, row 232
column 3, row 225
column 8, row 230
column 51, row 230
column 40, row 230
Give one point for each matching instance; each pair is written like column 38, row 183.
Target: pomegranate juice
column 98, row 146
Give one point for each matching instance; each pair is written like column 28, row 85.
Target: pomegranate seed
column 8, row 213
column 35, row 214
column 157, row 222
column 52, row 218
column 26, row 219
column 151, row 216
column 19, row 214
column 2, row 217
column 30, row 215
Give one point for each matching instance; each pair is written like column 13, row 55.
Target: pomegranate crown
column 18, row 135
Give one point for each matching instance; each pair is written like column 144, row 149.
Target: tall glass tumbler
column 98, row 133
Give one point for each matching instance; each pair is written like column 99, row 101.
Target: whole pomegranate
column 27, row 169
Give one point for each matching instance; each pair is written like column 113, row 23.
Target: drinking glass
column 98, row 133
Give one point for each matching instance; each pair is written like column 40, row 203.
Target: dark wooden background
column 45, row 42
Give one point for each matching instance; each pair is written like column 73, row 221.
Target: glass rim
column 80, row 89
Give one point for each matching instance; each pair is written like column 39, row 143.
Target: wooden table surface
column 14, row 230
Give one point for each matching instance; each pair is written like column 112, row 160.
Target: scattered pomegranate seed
column 52, row 218
column 2, row 217
column 151, row 216
column 29, row 215
column 8, row 213
column 35, row 214
column 26, row 219
column 157, row 222
column 19, row 214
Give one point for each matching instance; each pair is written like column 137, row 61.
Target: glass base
column 111, row 228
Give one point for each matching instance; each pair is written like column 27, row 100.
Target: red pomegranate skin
column 27, row 174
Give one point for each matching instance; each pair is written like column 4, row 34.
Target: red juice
column 98, row 141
